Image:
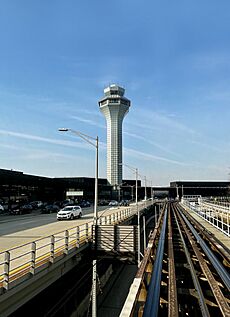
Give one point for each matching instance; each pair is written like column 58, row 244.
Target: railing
column 139, row 288
column 216, row 215
column 30, row 258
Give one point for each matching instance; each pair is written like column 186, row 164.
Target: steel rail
column 134, row 302
column 201, row 298
column 172, row 290
column 221, row 300
column 152, row 303
column 225, row 277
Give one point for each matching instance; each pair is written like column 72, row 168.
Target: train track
column 190, row 271
column 206, row 267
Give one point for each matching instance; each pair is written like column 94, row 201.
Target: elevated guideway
column 185, row 269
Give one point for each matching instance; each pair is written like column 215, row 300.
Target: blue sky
column 172, row 57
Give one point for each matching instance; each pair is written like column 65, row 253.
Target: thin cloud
column 48, row 140
column 41, row 155
column 42, row 139
column 88, row 121
column 11, row 147
column 147, row 156
column 82, row 145
column 211, row 147
column 159, row 121
column 163, row 148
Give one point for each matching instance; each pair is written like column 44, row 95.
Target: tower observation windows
column 113, row 92
column 104, row 102
column 125, row 102
column 114, row 100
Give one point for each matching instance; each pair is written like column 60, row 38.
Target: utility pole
column 138, row 224
column 144, row 230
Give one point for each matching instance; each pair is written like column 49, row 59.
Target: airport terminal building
column 17, row 186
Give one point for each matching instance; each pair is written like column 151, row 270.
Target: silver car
column 69, row 212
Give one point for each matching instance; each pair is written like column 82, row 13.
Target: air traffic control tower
column 114, row 106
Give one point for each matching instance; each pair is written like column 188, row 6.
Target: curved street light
column 89, row 139
column 94, row 142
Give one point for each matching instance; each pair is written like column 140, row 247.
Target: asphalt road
column 18, row 230
column 13, row 223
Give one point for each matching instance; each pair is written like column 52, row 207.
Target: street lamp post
column 138, row 224
column 120, row 189
column 152, row 192
column 91, row 141
column 119, row 193
column 145, row 190
column 132, row 191
column 138, row 214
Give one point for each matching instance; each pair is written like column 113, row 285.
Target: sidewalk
column 110, row 303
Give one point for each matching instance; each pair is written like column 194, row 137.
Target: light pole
column 132, row 194
column 152, row 192
column 138, row 214
column 121, row 191
column 132, row 191
column 91, row 141
column 145, row 190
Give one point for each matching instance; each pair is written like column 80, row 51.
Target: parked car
column 58, row 203
column 15, row 209
column 25, row 209
column 50, row 208
column 67, row 202
column 33, row 204
column 103, row 203
column 1, row 208
column 36, row 204
column 69, row 212
column 113, row 203
column 85, row 203
column 124, row 202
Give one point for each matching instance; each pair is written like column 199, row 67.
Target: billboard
column 75, row 193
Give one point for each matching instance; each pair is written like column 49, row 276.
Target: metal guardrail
column 217, row 215
column 210, row 254
column 28, row 258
